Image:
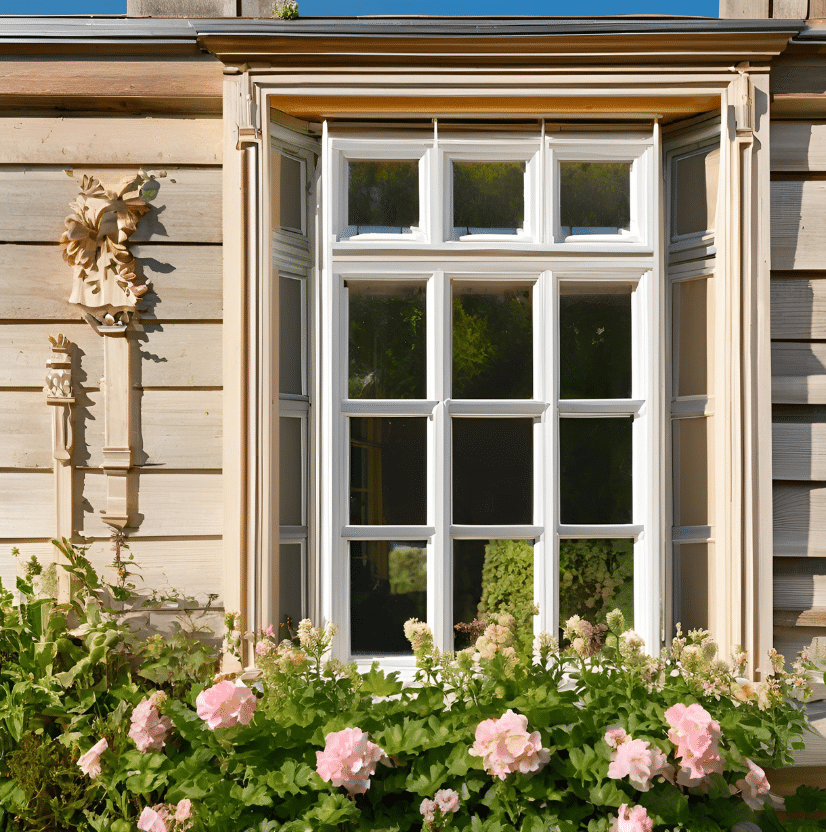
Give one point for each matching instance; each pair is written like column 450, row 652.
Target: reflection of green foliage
column 596, row 576
column 383, row 194
column 407, row 569
column 595, row 346
column 488, row 194
column 507, row 582
column 595, row 194
column 387, row 346
column 493, row 346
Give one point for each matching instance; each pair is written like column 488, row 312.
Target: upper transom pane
column 594, row 197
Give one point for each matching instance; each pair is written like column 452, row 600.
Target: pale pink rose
column 225, row 705
column 154, row 819
column 428, row 810
column 89, row 762
column 183, row 810
column 447, row 800
column 660, row 767
column 263, row 647
column 753, row 786
column 615, row 737
column 506, row 747
column 696, row 737
column 633, row 820
column 349, row 759
column 149, row 729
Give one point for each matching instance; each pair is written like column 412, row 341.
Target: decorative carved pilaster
column 60, row 397
column 116, row 385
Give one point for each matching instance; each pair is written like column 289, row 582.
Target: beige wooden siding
column 798, row 326
column 176, row 347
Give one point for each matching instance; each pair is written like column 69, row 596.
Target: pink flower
column 633, row 820
column 226, row 704
column 753, row 785
column 446, row 800
column 506, row 747
column 428, row 810
column 640, row 763
column 154, row 819
column 349, row 759
column 149, row 729
column 183, row 810
column 696, row 736
column 615, row 737
column 90, row 761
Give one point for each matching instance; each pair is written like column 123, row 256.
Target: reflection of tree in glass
column 387, row 346
column 407, row 570
column 488, row 195
column 595, row 196
column 492, row 346
column 596, row 576
column 507, row 583
column 595, row 346
column 383, row 194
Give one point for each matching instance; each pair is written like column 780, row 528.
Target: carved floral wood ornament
column 94, row 242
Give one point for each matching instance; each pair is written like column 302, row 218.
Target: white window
column 491, row 380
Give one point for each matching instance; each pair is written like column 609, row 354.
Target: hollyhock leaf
column 253, row 794
column 585, row 762
column 717, row 787
column 332, row 809
column 807, row 799
column 428, row 780
column 607, row 794
column 665, row 804
column 378, row 683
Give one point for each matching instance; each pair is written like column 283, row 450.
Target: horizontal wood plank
column 798, row 224
column 169, row 504
column 164, row 355
column 798, row 373
column 815, row 617
column 125, row 77
column 791, row 640
column 798, row 145
column 27, row 505
column 25, row 430
column 193, row 566
column 126, row 140
column 799, row 520
column 11, row 566
column 799, row 451
column 798, row 308
column 185, row 282
column 178, row 355
column 797, row 74
column 36, row 204
column 799, row 583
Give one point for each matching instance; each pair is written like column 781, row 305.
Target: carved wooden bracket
column 60, row 396
column 105, row 274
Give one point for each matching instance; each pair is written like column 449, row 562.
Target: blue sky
column 321, row 8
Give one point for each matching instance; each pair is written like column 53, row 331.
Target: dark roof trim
column 812, row 33
column 94, row 29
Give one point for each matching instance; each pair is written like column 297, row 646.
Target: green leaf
column 607, row 794
column 807, row 799
column 377, row 683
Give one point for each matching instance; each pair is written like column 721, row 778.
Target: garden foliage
column 103, row 730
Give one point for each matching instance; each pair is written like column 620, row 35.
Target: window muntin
column 549, row 281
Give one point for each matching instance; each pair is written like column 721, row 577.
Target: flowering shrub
column 595, row 737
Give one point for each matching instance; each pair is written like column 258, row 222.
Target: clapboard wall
column 175, row 533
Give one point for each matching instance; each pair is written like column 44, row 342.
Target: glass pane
column 595, row 470
column 595, row 197
column 387, row 341
column 693, row 589
column 595, row 577
column 595, row 346
column 691, row 302
column 290, row 587
column 492, row 471
column 490, row 576
column 291, row 487
column 695, row 192
column 290, row 193
column 492, row 342
column 382, row 197
column 488, row 197
column 691, row 495
column 387, row 471
column 290, row 337
column 388, row 585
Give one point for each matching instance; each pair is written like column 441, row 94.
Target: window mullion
column 439, row 567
